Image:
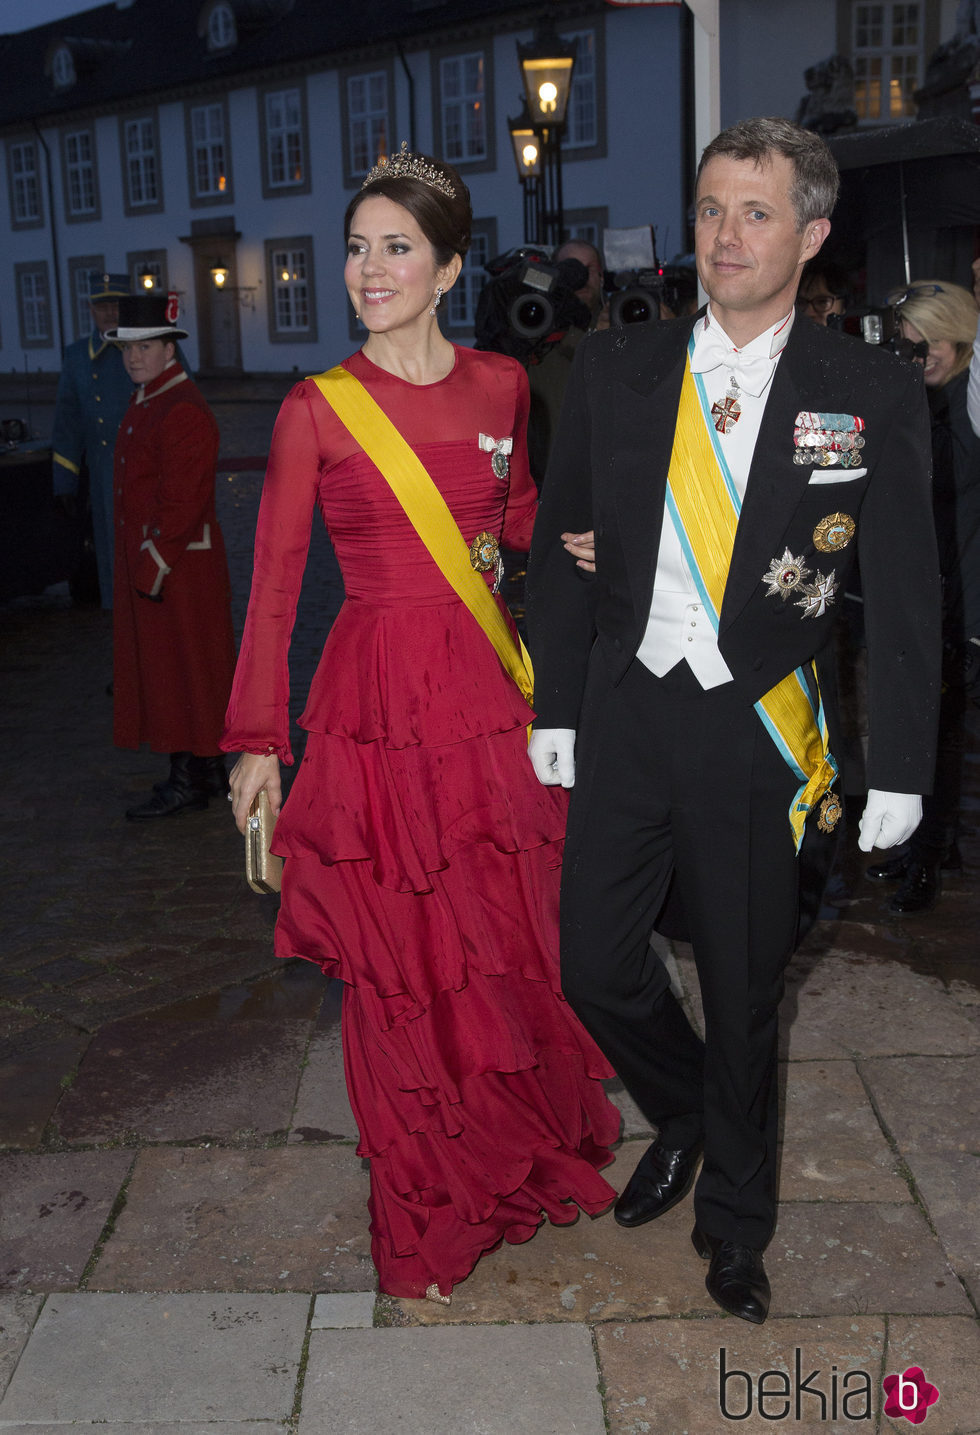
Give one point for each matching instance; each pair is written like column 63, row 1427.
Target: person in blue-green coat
column 93, row 395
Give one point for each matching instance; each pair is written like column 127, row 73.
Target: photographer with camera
column 942, row 319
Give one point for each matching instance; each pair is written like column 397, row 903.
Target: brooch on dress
column 485, row 556
column 498, row 449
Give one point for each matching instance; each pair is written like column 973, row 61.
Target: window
column 25, row 190
column 33, row 305
column 292, row 305
column 81, row 191
column 141, row 164
column 587, row 224
column 368, row 125
column 887, row 53
column 282, row 118
column 208, row 153
column 63, row 68
column 463, row 118
column 461, row 301
column 79, row 274
column 221, row 27
column 581, row 123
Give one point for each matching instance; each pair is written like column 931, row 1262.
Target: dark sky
column 24, row 14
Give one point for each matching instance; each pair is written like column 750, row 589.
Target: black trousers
column 673, row 779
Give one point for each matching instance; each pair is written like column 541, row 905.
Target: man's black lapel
column 775, row 484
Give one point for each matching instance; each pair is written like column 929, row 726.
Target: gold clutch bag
column 263, row 871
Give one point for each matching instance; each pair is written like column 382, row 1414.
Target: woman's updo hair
column 940, row 310
column 446, row 223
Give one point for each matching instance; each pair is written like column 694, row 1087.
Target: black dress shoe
column 661, row 1179
column 736, row 1278
column 919, row 889
column 895, row 868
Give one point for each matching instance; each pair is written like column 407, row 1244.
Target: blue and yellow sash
column 704, row 506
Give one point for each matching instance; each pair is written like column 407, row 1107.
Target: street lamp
column 547, row 64
column 527, row 157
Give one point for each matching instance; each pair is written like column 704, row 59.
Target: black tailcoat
column 673, row 783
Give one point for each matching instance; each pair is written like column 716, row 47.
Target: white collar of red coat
column 167, row 380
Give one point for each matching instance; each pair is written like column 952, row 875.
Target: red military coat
column 174, row 652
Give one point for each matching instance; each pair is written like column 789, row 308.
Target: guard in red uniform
column 174, row 652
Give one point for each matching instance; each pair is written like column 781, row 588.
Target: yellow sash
column 704, row 508
column 426, row 508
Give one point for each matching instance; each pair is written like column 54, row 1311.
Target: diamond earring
column 436, row 301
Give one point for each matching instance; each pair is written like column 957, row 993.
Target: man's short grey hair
column 816, row 180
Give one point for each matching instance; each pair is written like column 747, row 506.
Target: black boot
column 211, row 774
column 919, row 888
column 183, row 791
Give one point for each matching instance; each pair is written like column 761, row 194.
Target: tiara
column 405, row 165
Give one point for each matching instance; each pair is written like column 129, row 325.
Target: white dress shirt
column 678, row 628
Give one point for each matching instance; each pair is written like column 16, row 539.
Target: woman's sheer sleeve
column 258, row 711
column 522, row 497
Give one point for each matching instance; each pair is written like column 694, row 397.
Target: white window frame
column 81, row 187
column 284, row 147
column 25, row 184
column 463, row 106
column 34, row 305
column 142, row 163
column 461, row 301
column 886, row 73
column 222, row 31
column 209, row 154
column 292, row 300
column 583, row 98
column 368, row 119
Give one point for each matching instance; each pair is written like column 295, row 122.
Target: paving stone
column 928, row 1103
column 666, row 1376
column 847, row 1006
column 158, row 1358
column 31, row 1087
column 592, row 1270
column 17, row 1316
column 947, row 1351
column 52, row 1213
column 167, row 1081
column 323, row 1111
column 344, row 1311
column 167, row 1427
column 200, row 1219
column 949, row 1185
column 524, row 1380
column 833, row 1146
column 832, row 1257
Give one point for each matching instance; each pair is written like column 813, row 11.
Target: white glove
column 552, row 754
column 889, row 818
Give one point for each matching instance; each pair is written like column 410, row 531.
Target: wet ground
column 183, row 1233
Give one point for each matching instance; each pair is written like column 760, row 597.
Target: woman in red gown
column 422, row 855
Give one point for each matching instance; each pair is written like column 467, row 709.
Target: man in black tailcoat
column 681, row 691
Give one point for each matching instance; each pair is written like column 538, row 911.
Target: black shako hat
column 146, row 316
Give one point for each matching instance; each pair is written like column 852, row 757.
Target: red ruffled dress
column 422, row 855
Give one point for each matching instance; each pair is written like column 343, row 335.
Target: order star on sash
column 727, row 413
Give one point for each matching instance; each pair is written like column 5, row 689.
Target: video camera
column 637, row 294
column 527, row 299
column 881, row 327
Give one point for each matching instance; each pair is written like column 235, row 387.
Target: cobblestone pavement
column 183, row 1233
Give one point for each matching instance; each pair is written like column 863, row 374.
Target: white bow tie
column 752, row 371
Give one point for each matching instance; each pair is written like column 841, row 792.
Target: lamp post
column 527, row 157
column 546, row 69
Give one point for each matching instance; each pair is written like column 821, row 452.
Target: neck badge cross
column 726, row 414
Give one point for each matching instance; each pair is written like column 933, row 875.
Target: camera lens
column 531, row 315
column 633, row 306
